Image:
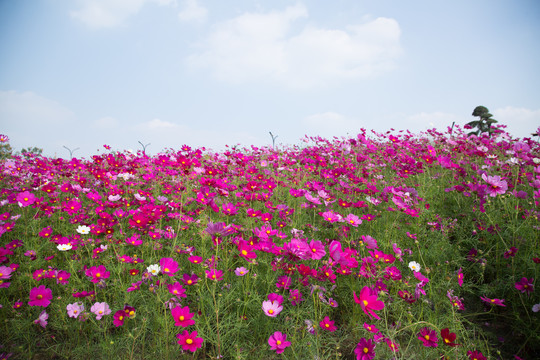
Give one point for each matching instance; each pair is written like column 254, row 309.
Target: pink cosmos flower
column 26, row 198
column 119, row 318
column 168, row 266
column 460, row 277
column 5, row 272
column 241, row 271
column 40, row 296
column 284, row 282
column 100, row 309
column 275, row 297
column 63, row 277
column 75, row 309
column 353, row 220
column 499, row 302
column 525, row 285
column 195, row 259
column 330, row 216
column 271, row 308
column 429, row 337
column 317, row 250
column 189, row 280
column 295, row 297
column 368, row 301
column 189, row 341
column 278, row 341
column 182, row 316
column 97, row 273
column 214, row 274
column 177, row 290
column 42, row 319
column 327, row 324
column 496, row 186
column 476, row 355
column 365, row 349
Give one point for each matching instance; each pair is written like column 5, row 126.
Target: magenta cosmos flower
column 368, row 301
column 271, row 308
column 40, row 296
column 182, row 316
column 429, row 337
column 525, row 285
column 214, row 274
column 278, row 341
column 189, row 341
column 327, row 324
column 168, row 266
column 365, row 350
column 499, row 302
column 97, row 273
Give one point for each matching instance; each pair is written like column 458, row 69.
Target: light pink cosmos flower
column 278, row 341
column 271, row 308
column 100, row 309
column 353, row 220
column 241, row 271
column 42, row 319
column 75, row 309
column 5, row 272
column 496, row 186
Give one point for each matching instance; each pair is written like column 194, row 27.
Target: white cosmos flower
column 154, row 269
column 414, row 266
column 64, row 247
column 83, row 229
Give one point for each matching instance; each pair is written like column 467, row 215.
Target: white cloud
column 106, row 122
column 330, row 124
column 424, row 121
column 521, row 122
column 157, row 124
column 29, row 109
column 32, row 120
column 110, row 13
column 192, row 12
column 261, row 46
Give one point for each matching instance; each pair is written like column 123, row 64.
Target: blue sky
column 83, row 73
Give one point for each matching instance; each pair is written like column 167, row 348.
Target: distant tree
column 483, row 124
column 31, row 151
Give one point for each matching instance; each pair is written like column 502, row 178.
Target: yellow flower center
column 278, row 342
column 189, row 282
column 366, row 350
column 189, row 341
column 181, row 318
column 365, row 303
column 270, row 311
column 426, row 337
column 39, row 297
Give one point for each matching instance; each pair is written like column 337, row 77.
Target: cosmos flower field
column 377, row 246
